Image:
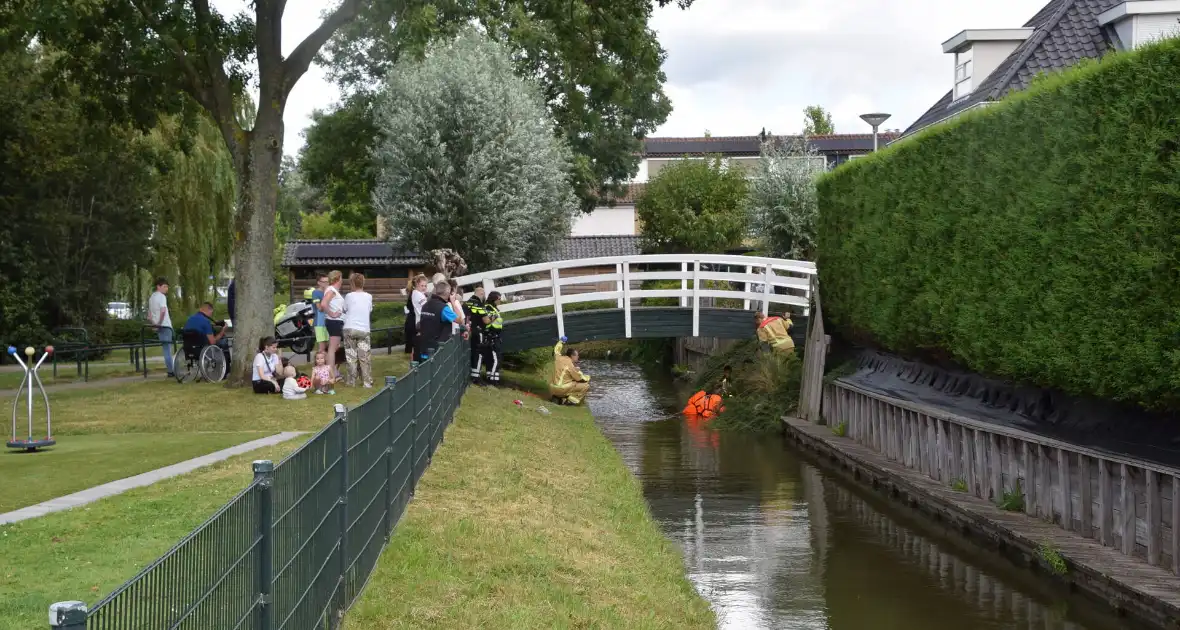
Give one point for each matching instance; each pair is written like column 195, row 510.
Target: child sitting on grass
column 322, row 379
column 291, row 388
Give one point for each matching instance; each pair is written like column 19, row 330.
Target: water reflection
column 773, row 543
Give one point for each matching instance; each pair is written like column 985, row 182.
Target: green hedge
column 1037, row 240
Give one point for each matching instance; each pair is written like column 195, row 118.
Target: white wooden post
column 767, row 290
column 696, row 298
column 684, row 285
column 619, row 284
column 627, row 299
column 554, row 276
column 746, row 288
column 489, row 285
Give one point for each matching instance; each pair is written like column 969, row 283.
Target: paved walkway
column 91, row 495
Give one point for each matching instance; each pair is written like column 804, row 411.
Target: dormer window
column 979, row 52
column 963, row 63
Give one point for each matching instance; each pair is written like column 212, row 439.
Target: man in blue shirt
column 202, row 322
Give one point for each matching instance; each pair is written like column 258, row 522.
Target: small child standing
column 291, row 388
column 322, row 379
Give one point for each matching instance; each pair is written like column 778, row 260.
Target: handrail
column 760, row 280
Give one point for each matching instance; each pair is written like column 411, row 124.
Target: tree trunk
column 257, row 157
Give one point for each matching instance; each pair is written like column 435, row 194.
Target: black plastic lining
column 1096, row 424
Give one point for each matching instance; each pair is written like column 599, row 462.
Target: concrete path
column 91, row 495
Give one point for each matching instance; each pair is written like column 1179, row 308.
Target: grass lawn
column 528, row 521
column 85, row 553
column 81, row 461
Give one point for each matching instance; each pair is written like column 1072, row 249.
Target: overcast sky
column 736, row 66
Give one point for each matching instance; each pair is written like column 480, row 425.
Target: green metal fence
column 295, row 548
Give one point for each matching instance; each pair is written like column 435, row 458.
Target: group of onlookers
column 340, row 320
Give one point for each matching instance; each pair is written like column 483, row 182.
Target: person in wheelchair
column 202, row 322
column 197, row 334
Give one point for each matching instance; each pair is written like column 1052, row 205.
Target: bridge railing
column 757, row 281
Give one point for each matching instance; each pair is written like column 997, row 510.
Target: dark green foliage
column 693, row 206
column 1035, row 241
column 336, row 159
column 74, row 191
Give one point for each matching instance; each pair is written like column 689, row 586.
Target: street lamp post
column 875, row 120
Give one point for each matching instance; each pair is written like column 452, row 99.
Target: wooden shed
column 387, row 270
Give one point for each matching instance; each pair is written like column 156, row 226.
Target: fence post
column 696, row 298
column 67, row 616
column 390, row 381
column 264, row 475
column 342, row 421
column 413, row 373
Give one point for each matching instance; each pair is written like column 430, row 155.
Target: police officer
column 475, row 313
column 493, row 330
column 434, row 329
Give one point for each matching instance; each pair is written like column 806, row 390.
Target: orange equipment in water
column 703, row 405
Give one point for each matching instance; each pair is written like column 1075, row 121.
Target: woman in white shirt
column 264, row 376
column 332, row 306
column 418, row 299
column 358, row 307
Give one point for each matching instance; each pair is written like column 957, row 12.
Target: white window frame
column 964, row 67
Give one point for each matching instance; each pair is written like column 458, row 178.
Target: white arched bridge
column 626, row 297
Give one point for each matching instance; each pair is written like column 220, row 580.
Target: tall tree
column 817, row 121
column 146, row 56
column 468, row 160
column 782, row 201
column 693, row 206
column 598, row 65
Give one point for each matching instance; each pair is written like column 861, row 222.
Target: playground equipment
column 30, row 443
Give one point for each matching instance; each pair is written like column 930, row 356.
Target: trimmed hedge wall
column 1037, row 240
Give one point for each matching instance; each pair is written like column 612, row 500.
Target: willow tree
column 143, row 57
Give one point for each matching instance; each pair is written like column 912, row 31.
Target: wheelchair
column 196, row 359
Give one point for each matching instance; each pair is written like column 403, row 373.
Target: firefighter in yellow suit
column 569, row 384
column 774, row 331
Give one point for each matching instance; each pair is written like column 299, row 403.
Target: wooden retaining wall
column 1125, row 504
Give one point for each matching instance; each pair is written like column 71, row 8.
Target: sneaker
column 332, row 392
column 368, row 386
column 320, row 392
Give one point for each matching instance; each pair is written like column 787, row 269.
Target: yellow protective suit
column 568, row 381
column 774, row 331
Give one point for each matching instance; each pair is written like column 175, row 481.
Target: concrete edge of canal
column 1146, row 594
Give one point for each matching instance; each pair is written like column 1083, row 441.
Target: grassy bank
column 527, row 520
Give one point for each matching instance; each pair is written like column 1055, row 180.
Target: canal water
column 773, row 542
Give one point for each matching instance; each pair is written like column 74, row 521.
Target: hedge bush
column 1037, row 240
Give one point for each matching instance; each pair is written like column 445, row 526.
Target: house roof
column 1066, row 31
column 628, row 197
column 374, row 253
column 574, row 247
column 347, row 253
column 736, row 146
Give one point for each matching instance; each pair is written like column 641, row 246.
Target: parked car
column 119, row 310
